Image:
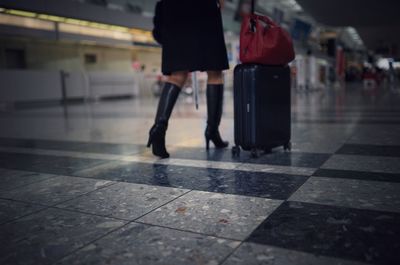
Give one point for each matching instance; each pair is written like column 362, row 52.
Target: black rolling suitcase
column 261, row 108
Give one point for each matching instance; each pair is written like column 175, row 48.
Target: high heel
column 157, row 140
column 149, row 141
column 157, row 132
column 216, row 139
column 215, row 95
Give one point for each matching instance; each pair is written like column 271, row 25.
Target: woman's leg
column 215, row 95
column 215, row 78
column 178, row 78
column 169, row 95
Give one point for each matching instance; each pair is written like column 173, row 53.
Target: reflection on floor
column 78, row 186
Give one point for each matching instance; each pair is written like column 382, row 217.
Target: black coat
column 191, row 35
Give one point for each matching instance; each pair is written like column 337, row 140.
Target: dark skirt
column 193, row 36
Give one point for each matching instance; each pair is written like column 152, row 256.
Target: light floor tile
column 140, row 244
column 55, row 190
column 302, row 171
column 124, row 200
column 228, row 216
column 47, row 236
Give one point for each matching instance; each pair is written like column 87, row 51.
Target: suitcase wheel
column 267, row 150
column 235, row 151
column 288, row 146
column 254, row 153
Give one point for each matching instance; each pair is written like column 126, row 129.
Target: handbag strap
column 253, row 22
column 264, row 19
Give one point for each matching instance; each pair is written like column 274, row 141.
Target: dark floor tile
column 222, row 155
column 46, row 236
column 258, row 184
column 381, row 121
column 361, row 235
column 378, row 164
column 46, row 164
column 10, row 210
column 90, row 147
column 255, row 254
column 323, row 121
column 276, row 157
column 369, row 150
column 350, row 174
column 11, row 179
column 294, row 159
column 110, row 148
column 39, row 144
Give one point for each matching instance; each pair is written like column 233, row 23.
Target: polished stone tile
column 361, row 194
column 369, row 150
column 39, row 143
column 139, row 244
column 123, row 200
column 313, row 138
column 222, row 215
column 54, row 190
column 311, row 160
column 10, row 210
column 80, row 146
column 110, row 148
column 258, row 184
column 364, row 163
column 223, row 155
column 262, row 184
column 197, row 163
column 299, row 171
column 376, row 135
column 362, row 175
column 74, row 136
column 11, row 179
column 362, row 235
column 45, row 163
column 255, row 254
column 47, row 236
column 309, row 145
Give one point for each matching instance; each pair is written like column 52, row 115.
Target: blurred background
column 81, row 50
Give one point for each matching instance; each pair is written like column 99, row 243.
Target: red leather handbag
column 263, row 41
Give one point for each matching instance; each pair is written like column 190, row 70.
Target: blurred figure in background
column 393, row 79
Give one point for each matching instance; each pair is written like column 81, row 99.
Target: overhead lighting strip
column 74, row 26
column 355, row 36
column 26, row 22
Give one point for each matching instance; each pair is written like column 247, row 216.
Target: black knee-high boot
column 167, row 101
column 215, row 96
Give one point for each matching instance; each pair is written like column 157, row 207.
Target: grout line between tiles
column 231, row 253
column 113, row 230
column 188, row 231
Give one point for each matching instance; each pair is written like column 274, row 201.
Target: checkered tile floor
column 82, row 189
